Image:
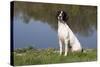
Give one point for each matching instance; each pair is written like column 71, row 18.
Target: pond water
column 35, row 24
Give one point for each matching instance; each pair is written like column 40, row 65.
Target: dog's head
column 62, row 16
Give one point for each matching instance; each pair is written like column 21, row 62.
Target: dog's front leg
column 60, row 45
column 66, row 47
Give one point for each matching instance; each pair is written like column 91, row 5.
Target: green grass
column 32, row 56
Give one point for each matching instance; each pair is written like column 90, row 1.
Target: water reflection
column 36, row 23
column 35, row 33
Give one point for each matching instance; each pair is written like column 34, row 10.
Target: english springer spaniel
column 66, row 36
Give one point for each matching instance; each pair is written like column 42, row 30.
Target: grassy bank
column 30, row 56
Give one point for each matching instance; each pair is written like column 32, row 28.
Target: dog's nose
column 59, row 16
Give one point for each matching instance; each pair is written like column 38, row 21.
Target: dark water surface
column 35, row 24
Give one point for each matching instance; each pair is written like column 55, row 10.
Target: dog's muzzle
column 59, row 17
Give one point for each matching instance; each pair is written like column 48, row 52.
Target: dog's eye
column 58, row 12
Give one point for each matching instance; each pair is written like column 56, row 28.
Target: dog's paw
column 65, row 54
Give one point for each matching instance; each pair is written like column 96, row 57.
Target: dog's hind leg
column 66, row 47
column 61, row 48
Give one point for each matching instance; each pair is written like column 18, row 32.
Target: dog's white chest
column 62, row 30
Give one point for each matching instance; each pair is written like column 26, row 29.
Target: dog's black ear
column 65, row 16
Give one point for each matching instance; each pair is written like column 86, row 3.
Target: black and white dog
column 66, row 36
